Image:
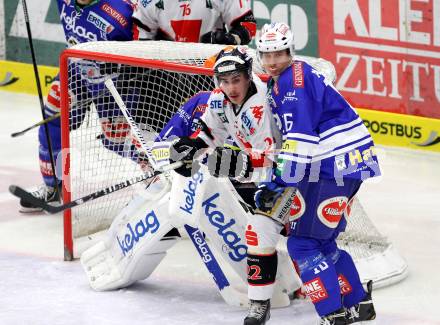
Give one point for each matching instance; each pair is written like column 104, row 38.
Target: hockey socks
column 262, row 271
column 44, row 154
column 349, row 281
column 317, row 273
column 321, row 283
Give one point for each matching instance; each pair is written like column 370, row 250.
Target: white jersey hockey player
column 198, row 21
column 238, row 109
column 236, row 112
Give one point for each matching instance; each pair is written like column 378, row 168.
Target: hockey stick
column 40, row 95
column 50, row 118
column 25, row 195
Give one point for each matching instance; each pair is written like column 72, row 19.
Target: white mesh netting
column 102, row 151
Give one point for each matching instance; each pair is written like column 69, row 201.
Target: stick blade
column 25, row 195
column 28, row 197
column 19, row 192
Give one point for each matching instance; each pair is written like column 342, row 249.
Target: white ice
column 37, row 287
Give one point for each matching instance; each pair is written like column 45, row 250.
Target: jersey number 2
column 254, row 272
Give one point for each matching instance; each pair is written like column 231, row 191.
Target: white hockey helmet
column 276, row 37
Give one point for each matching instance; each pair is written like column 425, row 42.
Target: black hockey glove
column 219, row 37
column 184, row 150
column 226, row 162
column 267, row 195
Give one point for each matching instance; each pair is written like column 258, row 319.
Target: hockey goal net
column 154, row 79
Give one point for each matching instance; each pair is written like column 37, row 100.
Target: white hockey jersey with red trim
column 251, row 126
column 186, row 20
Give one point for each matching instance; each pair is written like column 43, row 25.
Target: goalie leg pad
column 136, row 243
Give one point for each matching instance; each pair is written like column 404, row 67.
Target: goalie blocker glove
column 185, row 149
column 226, row 162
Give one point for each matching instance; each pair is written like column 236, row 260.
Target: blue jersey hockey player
column 82, row 21
column 187, row 119
column 326, row 154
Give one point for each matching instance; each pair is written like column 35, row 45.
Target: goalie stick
column 136, row 132
column 229, row 294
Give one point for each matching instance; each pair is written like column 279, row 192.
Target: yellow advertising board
column 402, row 130
column 20, row 77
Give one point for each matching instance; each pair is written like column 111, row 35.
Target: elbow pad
column 244, row 28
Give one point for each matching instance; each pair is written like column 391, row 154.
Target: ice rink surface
column 37, row 287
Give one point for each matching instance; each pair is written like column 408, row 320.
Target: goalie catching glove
column 185, row 150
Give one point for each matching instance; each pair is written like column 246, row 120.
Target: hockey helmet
column 232, row 60
column 276, row 37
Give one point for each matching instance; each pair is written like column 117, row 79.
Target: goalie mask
column 231, row 61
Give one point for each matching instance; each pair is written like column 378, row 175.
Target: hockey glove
column 267, row 195
column 184, row 150
column 226, row 162
column 219, row 37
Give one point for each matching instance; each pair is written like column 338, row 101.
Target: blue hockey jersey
column 183, row 124
column 187, row 118
column 323, row 136
column 102, row 20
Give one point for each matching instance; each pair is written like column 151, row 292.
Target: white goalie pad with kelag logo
column 136, row 242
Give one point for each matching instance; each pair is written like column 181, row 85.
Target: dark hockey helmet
column 231, row 60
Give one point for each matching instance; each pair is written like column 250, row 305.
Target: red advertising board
column 386, row 52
